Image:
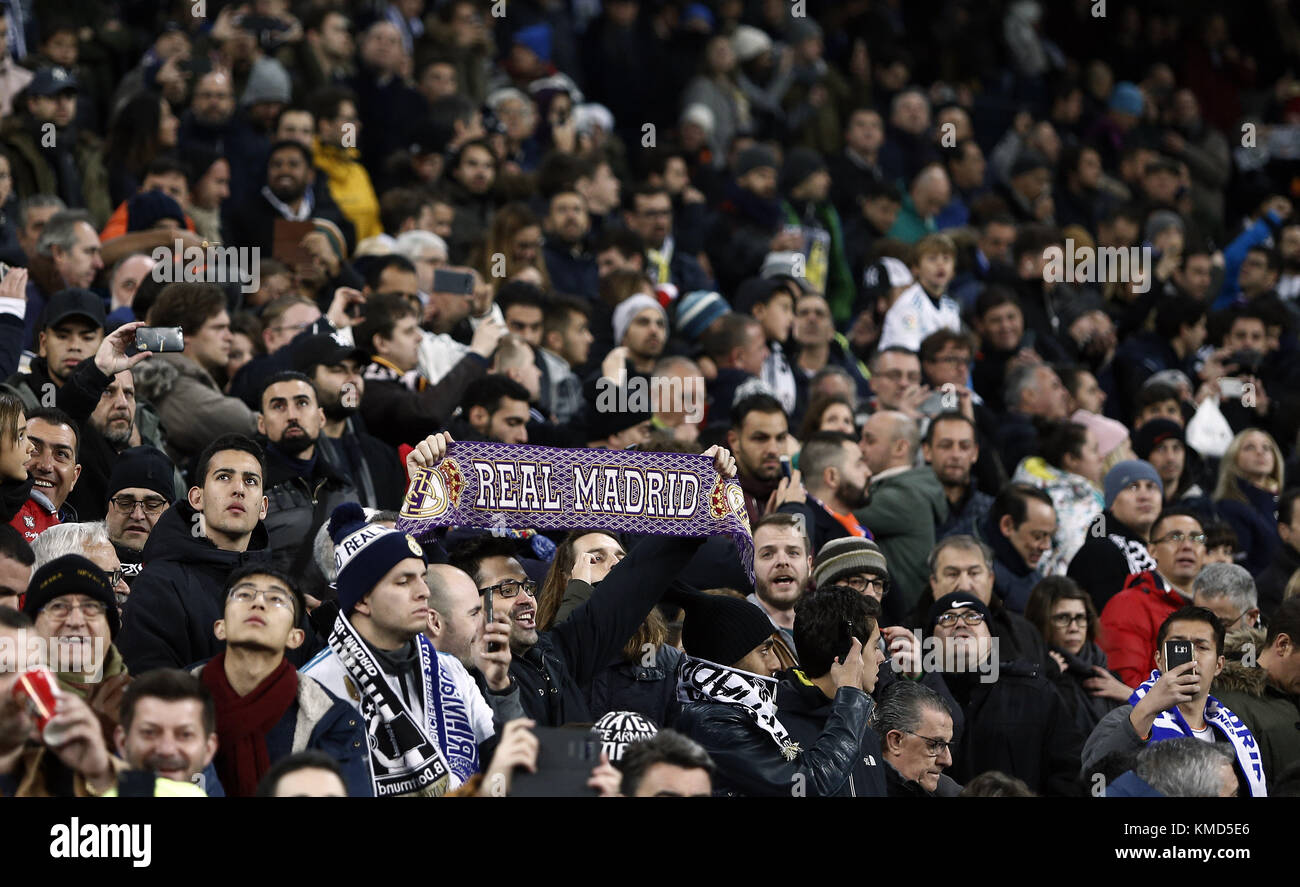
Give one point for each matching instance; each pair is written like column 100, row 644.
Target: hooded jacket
column 180, row 594
column 190, row 405
column 1271, row 713
column 839, row 757
column 299, row 504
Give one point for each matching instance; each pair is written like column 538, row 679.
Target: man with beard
column 836, row 477
column 951, row 449
column 288, row 194
column 640, row 332
column 301, row 486
column 71, row 331
column 554, row 668
column 141, row 487
column 265, row 709
column 758, row 436
column 782, row 563
column 572, row 269
column 370, row 465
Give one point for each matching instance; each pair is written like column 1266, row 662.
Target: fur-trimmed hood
column 1250, row 679
column 155, row 377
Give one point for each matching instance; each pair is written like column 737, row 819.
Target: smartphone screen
column 159, row 339
column 1177, row 653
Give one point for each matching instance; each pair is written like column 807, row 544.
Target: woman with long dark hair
column 15, row 450
column 142, row 129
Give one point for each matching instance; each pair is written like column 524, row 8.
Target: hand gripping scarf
column 499, row 486
column 403, row 759
column 699, row 680
column 1170, row 724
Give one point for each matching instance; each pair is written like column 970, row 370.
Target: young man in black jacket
column 806, row 735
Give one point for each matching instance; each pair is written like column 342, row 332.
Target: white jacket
column 914, row 316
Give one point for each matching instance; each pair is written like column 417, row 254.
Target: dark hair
column 820, row 622
column 1063, row 439
column 551, row 594
column 325, row 102
column 383, row 311
column 488, row 392
column 665, row 747
column 1175, row 312
column 1013, row 500
column 1271, row 256
column 399, row 204
column 558, row 311
column 728, row 332
column 822, row 450
column 286, row 376
column 171, row 685
column 239, row 574
column 56, row 416
column 376, row 266
column 290, row 145
column 14, row 546
column 470, row 554
column 644, row 189
column 941, row 339
column 237, row 442
column 1034, row 239
column 132, row 140
column 812, row 417
column 995, row 297
column 1192, row 613
column 1219, row 533
column 16, row 619
column 1286, row 505
column 520, row 292
column 187, row 305
column 311, row 759
column 626, row 241
column 1176, row 511
column 950, row 416
column 996, row 784
column 11, row 407
column 1285, row 620
column 755, row 403
column 1156, row 392
column 1044, row 597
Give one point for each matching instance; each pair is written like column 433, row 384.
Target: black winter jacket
column 1018, row 725
column 839, row 757
column 299, row 504
column 180, row 593
column 555, row 674
column 1104, row 563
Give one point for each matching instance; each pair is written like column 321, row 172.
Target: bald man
column 456, row 624
column 906, row 504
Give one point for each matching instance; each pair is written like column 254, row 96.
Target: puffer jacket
column 632, row 686
column 180, row 593
column 189, row 404
column 1077, row 503
column 839, row 756
column 298, row 505
column 1271, row 713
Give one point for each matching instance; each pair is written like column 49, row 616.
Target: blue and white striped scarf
column 1170, row 724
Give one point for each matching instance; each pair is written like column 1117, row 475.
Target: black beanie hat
column 958, row 600
column 146, row 209
column 72, row 574
column 800, row 163
column 720, row 628
column 143, row 468
column 1153, row 433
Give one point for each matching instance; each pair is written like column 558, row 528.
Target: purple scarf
column 501, row 486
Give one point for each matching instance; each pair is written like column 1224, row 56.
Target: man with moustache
column 140, row 489
column 301, row 486
column 836, row 477
column 758, row 436
column 554, row 667
column 169, row 726
column 782, row 564
column 370, row 465
column 265, row 709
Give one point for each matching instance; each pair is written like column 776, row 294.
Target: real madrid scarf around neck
column 403, row 758
column 1170, row 724
column 498, row 486
column 699, row 680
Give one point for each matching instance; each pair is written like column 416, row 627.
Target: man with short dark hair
column 807, row 734
column 667, row 765
column 1176, row 702
column 951, row 449
column 180, row 593
column 16, row 561
column 302, row 487
column 566, row 345
column 495, row 408
column 265, row 709
column 70, row 332
column 169, row 726
column 1019, row 528
column 836, row 478
column 53, row 468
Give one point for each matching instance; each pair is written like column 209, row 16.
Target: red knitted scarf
column 243, row 722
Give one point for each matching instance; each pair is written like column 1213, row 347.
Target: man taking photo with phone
column 1175, row 701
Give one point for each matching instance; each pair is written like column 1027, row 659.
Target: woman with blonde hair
column 1250, row 481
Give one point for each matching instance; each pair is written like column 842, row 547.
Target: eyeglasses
column 246, row 594
column 932, row 746
column 61, row 609
column 512, row 587
column 1065, row 620
column 867, row 583
column 127, row 504
column 970, row 617
column 1178, row 537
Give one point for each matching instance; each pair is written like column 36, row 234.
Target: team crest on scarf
column 1170, row 724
